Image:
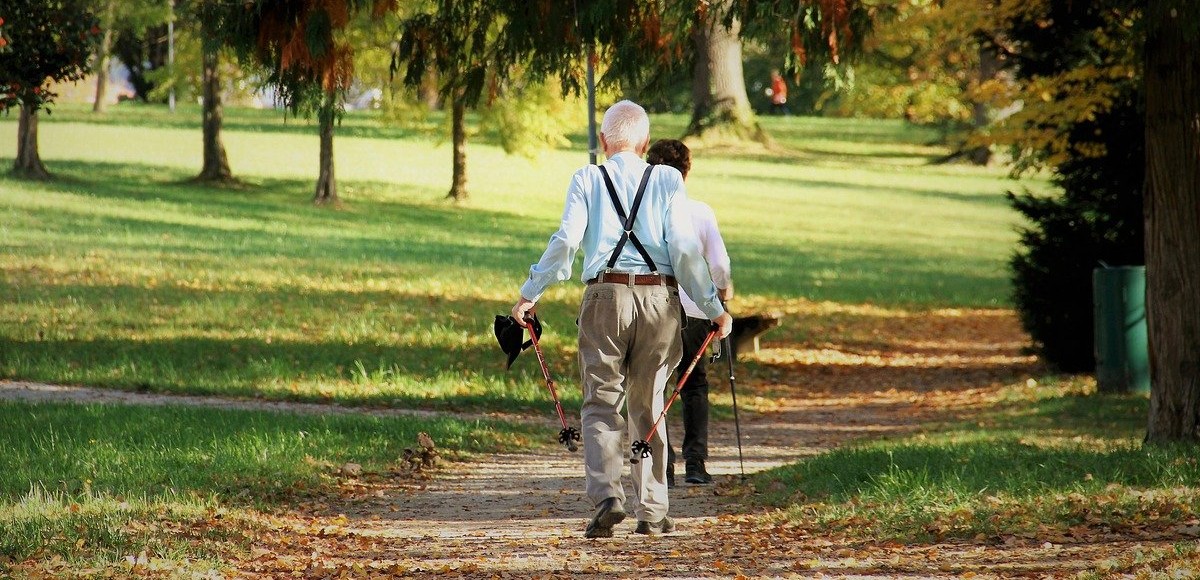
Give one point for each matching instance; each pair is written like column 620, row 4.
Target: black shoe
column 670, row 476
column 696, row 474
column 663, row 526
column 609, row 513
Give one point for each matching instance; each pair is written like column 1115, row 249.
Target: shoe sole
column 602, row 525
column 655, row 531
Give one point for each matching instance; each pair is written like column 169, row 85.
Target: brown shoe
column 609, row 513
column 663, row 526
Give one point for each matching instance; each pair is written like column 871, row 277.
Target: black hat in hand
column 510, row 335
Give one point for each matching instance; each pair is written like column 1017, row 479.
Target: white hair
column 625, row 125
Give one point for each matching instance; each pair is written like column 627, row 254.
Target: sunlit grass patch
column 1053, row 462
column 94, row 534
column 96, row 485
column 256, row 456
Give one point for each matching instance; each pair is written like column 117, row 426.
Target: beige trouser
column 628, row 346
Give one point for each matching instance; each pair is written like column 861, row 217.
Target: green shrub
column 1096, row 221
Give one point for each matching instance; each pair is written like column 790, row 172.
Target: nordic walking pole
column 641, row 449
column 737, row 427
column 568, row 435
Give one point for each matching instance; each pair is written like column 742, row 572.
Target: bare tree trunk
column 458, row 185
column 429, row 91
column 28, row 163
column 721, row 103
column 702, row 98
column 103, row 57
column 1172, row 81
column 989, row 67
column 326, row 185
column 216, row 163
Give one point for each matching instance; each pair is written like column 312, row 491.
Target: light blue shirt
column 663, row 225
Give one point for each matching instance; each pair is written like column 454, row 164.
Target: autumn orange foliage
column 284, row 33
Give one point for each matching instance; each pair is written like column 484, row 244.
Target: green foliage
column 1097, row 222
column 826, row 31
column 457, row 41
column 921, row 63
column 46, row 41
column 1072, row 62
column 1097, row 153
column 528, row 118
column 134, row 31
column 237, row 82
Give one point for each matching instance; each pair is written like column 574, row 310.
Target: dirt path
column 522, row 515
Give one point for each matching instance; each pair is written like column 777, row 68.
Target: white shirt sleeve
column 555, row 264
column 687, row 255
column 714, row 246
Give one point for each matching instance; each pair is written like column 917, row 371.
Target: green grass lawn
column 97, row 483
column 1053, row 461
column 120, row 274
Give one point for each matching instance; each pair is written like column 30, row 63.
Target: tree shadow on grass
column 869, row 273
column 934, row 195
column 265, row 220
column 184, row 340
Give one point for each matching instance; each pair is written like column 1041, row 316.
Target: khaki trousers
column 628, row 347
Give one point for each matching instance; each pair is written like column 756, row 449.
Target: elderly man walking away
column 639, row 244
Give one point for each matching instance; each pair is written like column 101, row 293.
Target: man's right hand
column 523, row 309
column 725, row 323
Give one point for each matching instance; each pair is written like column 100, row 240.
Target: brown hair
column 671, row 152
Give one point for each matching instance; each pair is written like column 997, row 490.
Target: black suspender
column 627, row 226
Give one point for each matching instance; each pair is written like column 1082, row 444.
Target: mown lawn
column 97, row 483
column 121, row 274
column 1042, row 464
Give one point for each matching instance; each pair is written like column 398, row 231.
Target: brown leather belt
column 630, row 279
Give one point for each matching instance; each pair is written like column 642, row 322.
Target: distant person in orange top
column 778, row 94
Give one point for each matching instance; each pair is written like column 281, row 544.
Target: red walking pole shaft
column 567, row 436
column 643, row 447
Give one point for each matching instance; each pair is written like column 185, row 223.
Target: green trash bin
column 1122, row 355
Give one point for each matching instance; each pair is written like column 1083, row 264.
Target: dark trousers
column 694, row 394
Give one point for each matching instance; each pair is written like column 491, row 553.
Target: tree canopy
column 301, row 47
column 45, row 41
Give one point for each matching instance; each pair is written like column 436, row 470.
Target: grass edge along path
column 92, row 485
column 1052, row 464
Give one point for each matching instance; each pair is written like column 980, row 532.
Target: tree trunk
column 103, row 57
column 458, row 185
column 216, row 164
column 429, row 91
column 721, row 105
column 28, row 163
column 989, row 67
column 326, row 186
column 702, row 97
column 1172, row 207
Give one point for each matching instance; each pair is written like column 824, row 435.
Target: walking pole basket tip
column 641, row 449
